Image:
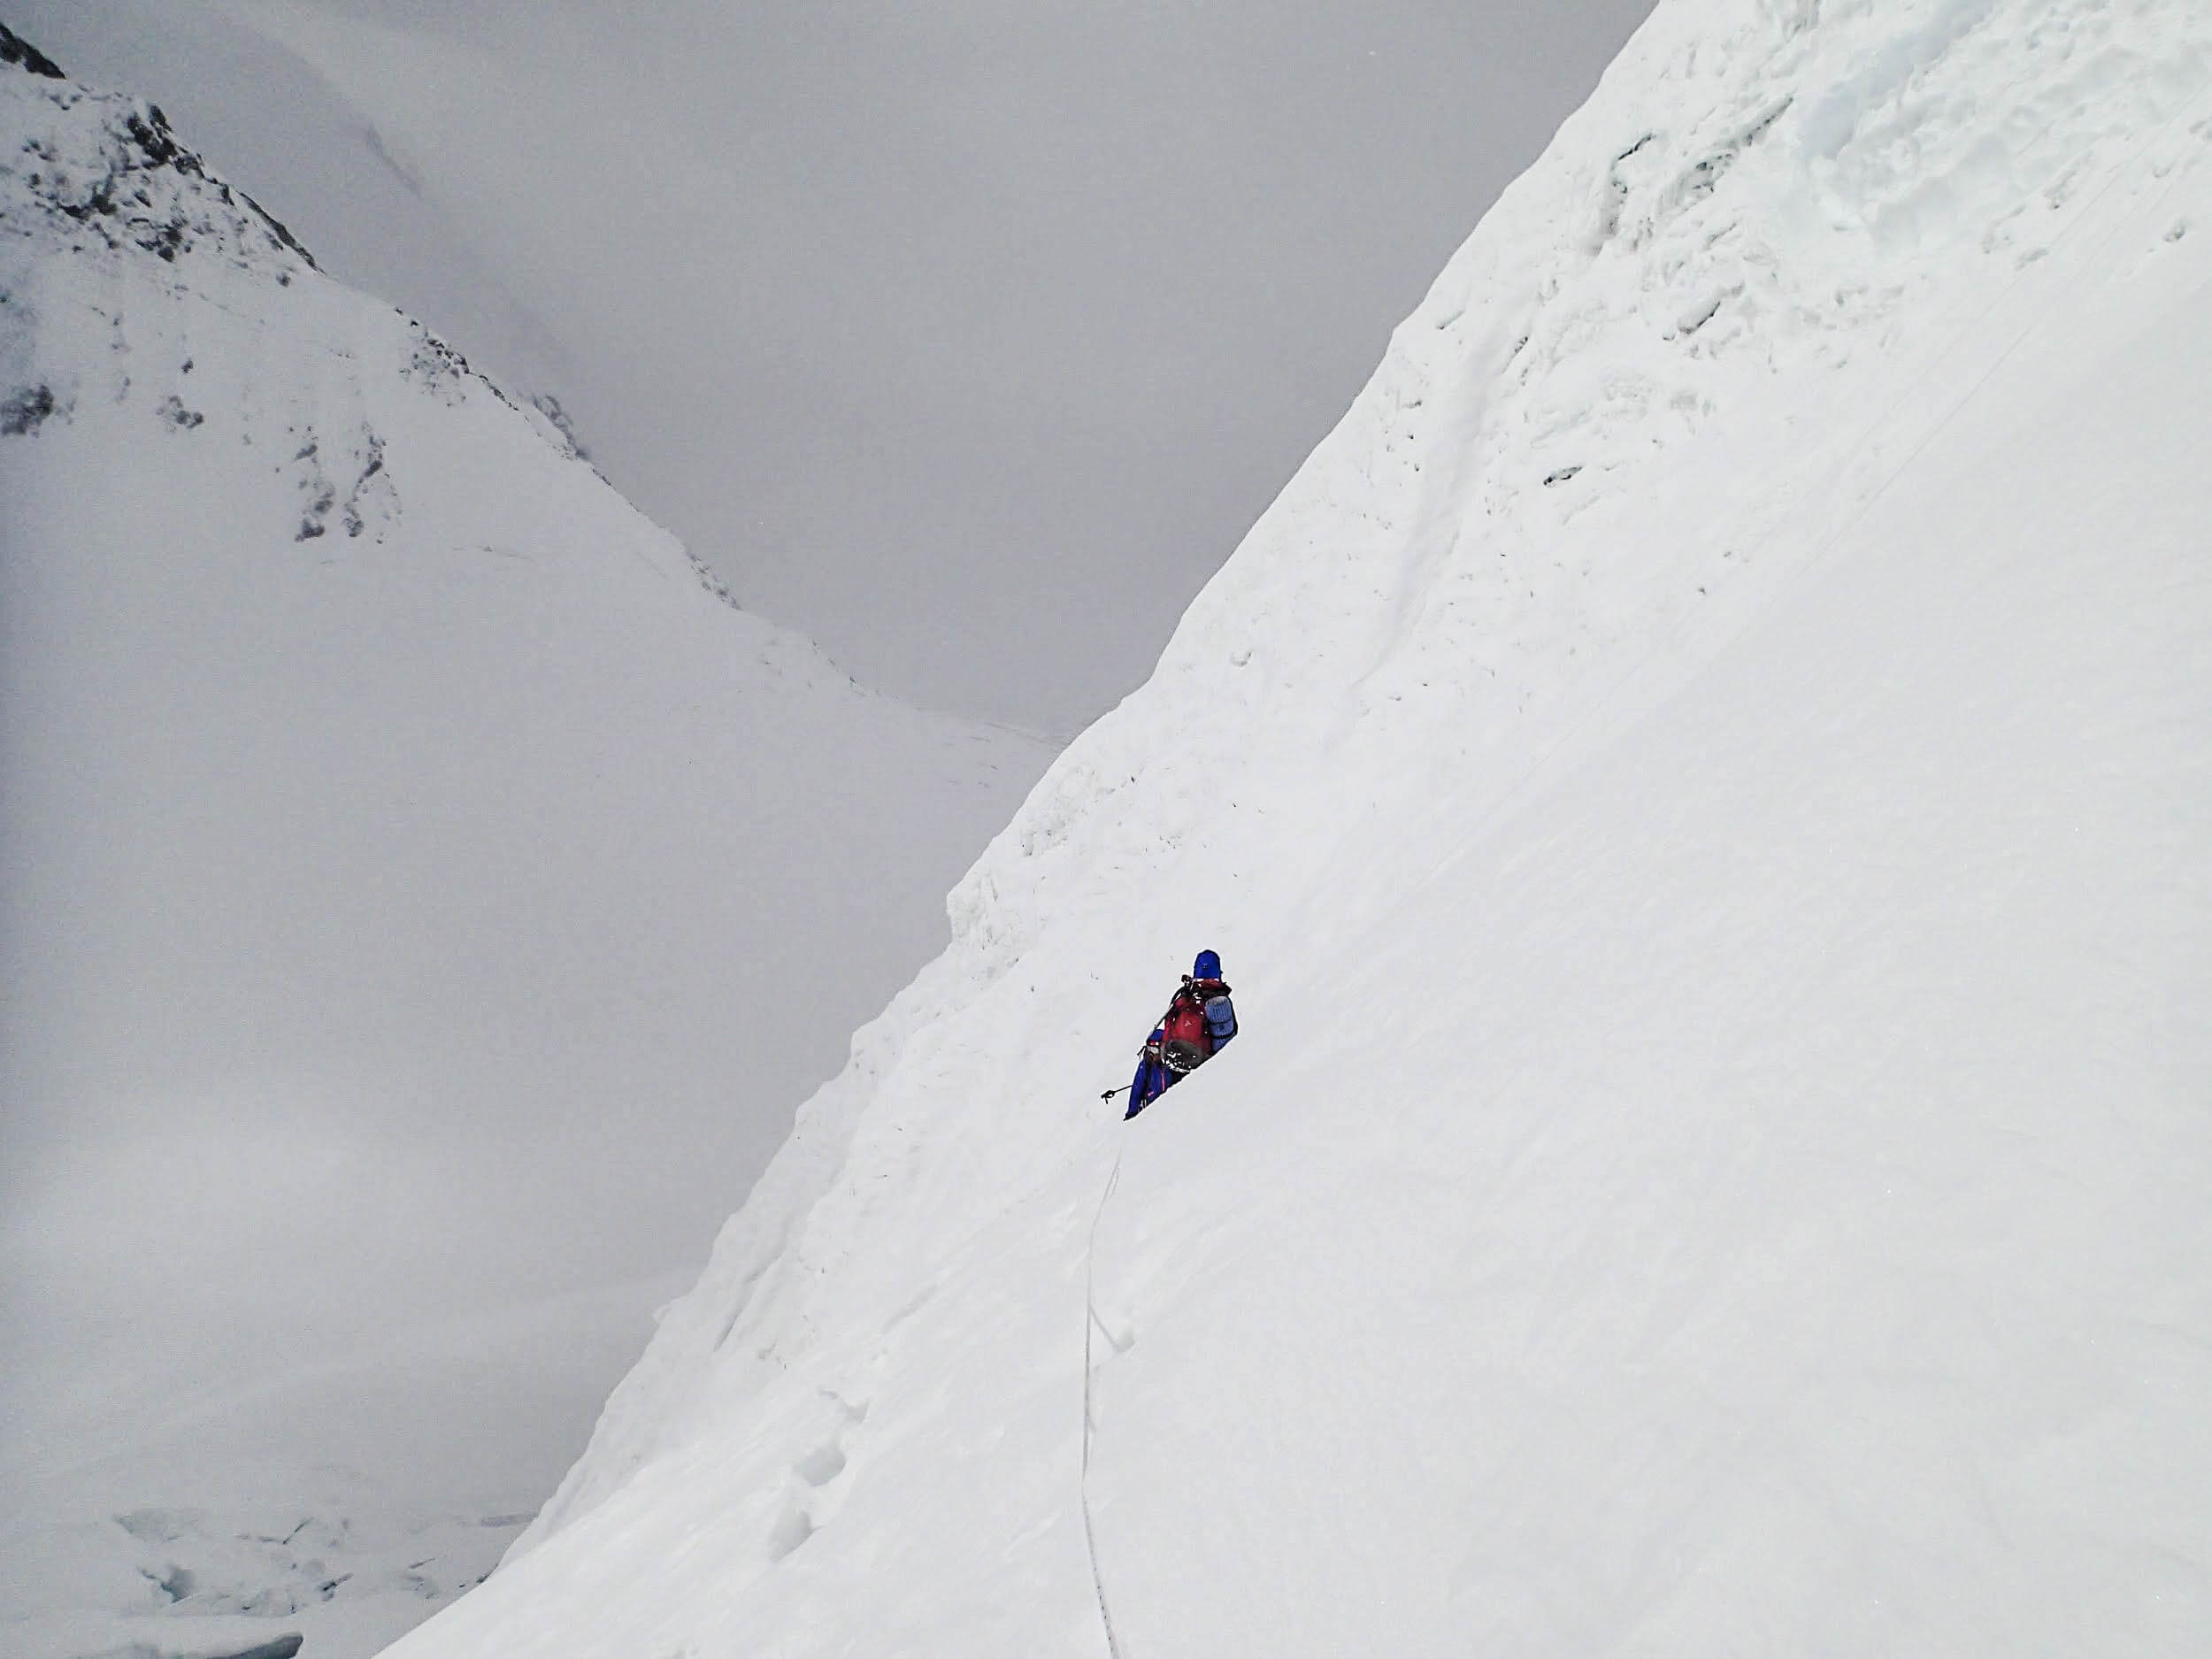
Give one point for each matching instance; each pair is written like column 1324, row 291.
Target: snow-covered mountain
column 1703, row 785
column 258, row 113
column 426, row 897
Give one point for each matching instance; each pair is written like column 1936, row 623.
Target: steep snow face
column 1703, row 785
column 426, row 895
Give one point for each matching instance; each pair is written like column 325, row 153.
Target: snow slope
column 1704, row 788
column 426, row 895
column 1703, row 785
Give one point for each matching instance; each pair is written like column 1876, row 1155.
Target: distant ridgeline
column 112, row 165
column 102, row 172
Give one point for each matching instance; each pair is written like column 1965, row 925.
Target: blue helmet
column 1206, row 967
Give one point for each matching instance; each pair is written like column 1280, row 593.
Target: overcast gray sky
column 969, row 338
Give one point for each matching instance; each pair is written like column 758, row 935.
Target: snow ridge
column 102, row 173
column 112, row 165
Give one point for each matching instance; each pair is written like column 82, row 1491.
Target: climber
column 1200, row 1020
column 1153, row 1078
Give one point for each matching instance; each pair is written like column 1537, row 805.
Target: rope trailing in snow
column 1091, row 1323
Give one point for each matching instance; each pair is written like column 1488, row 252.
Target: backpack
column 1187, row 1042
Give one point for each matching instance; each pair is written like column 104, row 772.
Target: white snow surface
column 425, row 897
column 1703, row 787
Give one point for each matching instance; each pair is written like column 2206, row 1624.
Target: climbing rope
column 1091, row 1323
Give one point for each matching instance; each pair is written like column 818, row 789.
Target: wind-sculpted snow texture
column 376, row 776
column 1703, row 787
